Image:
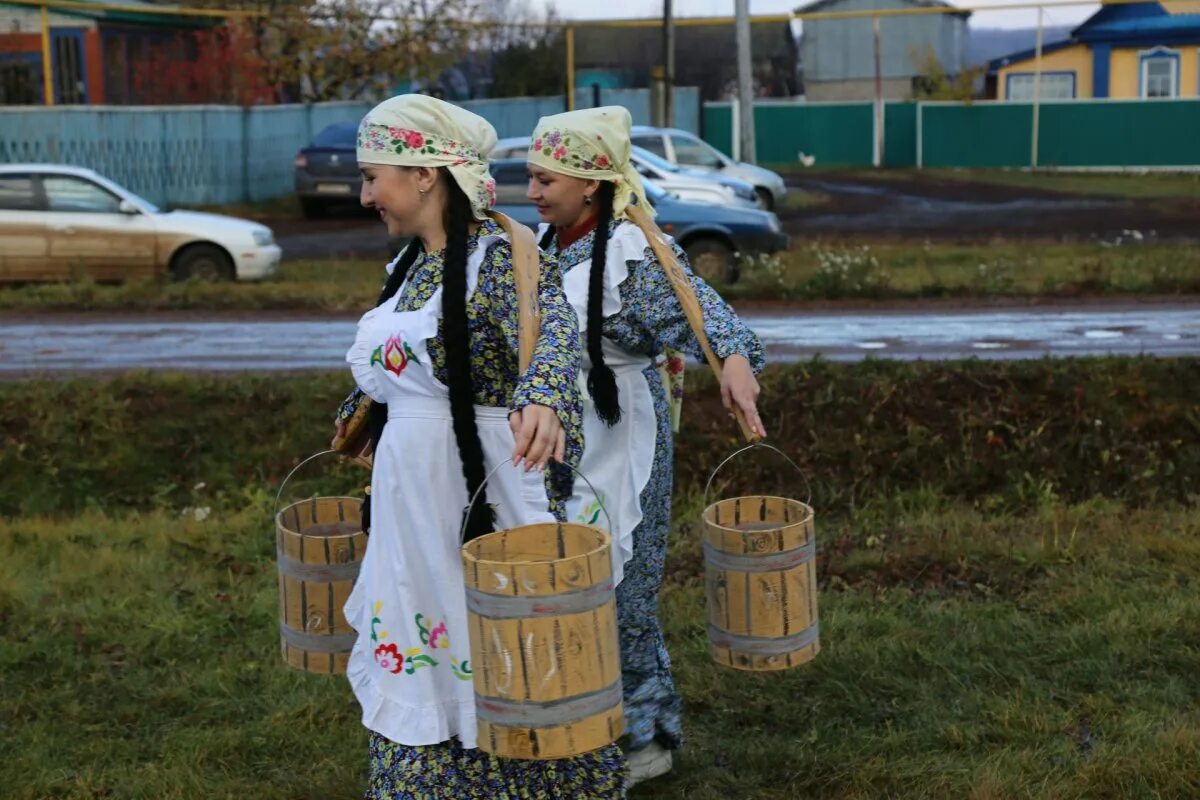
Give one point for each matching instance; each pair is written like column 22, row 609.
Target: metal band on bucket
column 324, row 573
column 496, row 606
column 769, row 562
column 316, row 642
column 510, row 714
column 764, row 646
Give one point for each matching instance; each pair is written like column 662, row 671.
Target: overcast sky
column 617, row 9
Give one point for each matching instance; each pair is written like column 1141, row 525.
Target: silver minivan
column 688, row 150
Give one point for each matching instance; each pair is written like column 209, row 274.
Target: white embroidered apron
column 410, row 667
column 616, row 460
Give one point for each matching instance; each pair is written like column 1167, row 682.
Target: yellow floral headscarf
column 413, row 130
column 594, row 144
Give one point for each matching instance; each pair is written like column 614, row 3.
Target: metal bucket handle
column 462, row 533
column 756, row 445
column 296, row 469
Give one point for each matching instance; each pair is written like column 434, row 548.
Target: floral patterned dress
column 448, row 771
column 650, row 322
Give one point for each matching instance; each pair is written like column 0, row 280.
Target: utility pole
column 745, row 79
column 1035, row 134
column 877, row 159
column 668, row 65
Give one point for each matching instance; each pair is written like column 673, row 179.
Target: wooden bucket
column 319, row 547
column 542, row 620
column 760, row 580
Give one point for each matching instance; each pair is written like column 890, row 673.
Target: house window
column 1160, row 73
column 1055, row 86
column 20, row 79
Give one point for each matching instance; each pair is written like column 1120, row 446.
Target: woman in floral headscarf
column 439, row 358
column 584, row 186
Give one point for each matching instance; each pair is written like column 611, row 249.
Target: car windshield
column 342, row 136
column 137, row 199
column 694, row 152
column 658, row 163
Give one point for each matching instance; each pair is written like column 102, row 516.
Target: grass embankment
column 1014, row 271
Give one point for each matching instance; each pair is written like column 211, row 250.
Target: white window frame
column 1008, row 82
column 1155, row 54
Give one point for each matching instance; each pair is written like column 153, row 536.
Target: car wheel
column 313, row 209
column 205, row 262
column 766, row 200
column 712, row 260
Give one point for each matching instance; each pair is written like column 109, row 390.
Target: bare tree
column 314, row 50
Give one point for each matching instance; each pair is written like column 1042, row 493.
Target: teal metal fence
column 1072, row 134
column 211, row 155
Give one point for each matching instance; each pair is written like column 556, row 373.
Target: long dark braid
column 482, row 519
column 602, row 383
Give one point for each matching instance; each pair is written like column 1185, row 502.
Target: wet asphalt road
column 73, row 344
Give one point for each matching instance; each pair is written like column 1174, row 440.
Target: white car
column 692, row 188
column 57, row 222
column 688, row 150
column 668, row 175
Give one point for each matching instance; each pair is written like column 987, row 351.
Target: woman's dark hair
column 602, row 383
column 458, row 219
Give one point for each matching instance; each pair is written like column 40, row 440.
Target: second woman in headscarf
column 584, row 186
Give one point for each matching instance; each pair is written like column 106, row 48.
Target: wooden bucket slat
column 544, row 645
column 562, row 741
column 320, row 546
column 760, row 579
column 803, row 609
column 768, row 604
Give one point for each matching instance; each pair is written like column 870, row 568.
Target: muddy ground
column 924, row 206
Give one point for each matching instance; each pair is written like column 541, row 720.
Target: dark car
column 327, row 175
column 712, row 236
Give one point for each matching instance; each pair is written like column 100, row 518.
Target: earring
column 587, row 199
column 422, row 193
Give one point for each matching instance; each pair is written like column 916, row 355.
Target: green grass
column 1130, row 185
column 1000, row 270
column 1008, row 561
column 807, row 272
column 1048, row 654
